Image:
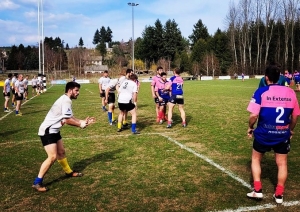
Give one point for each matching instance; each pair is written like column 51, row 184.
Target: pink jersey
column 154, row 80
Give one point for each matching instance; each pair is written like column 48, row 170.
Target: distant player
column 19, row 93
column 155, row 78
column 103, row 83
column 13, row 81
column 127, row 102
column 110, row 99
column 275, row 108
column 297, row 80
column 175, row 84
column 288, row 78
column 25, row 81
column 163, row 96
column 6, row 92
column 34, row 85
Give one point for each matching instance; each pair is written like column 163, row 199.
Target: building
column 94, row 65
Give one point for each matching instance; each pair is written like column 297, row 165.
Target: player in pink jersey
column 163, row 96
column 159, row 70
column 275, row 108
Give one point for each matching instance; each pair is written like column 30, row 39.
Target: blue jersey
column 176, row 85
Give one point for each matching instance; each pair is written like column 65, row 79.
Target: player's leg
column 19, row 102
column 170, row 113
column 133, row 118
column 6, row 100
column 182, row 114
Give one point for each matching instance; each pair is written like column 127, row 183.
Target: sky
column 71, row 19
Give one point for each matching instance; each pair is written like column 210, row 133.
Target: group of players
column 18, row 85
column 166, row 94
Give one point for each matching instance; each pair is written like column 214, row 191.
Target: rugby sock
column 38, row 180
column 161, row 115
column 109, row 114
column 124, row 122
column 112, row 116
column 17, row 112
column 257, row 185
column 169, row 122
column 133, row 126
column 279, row 190
column 65, row 165
column 119, row 125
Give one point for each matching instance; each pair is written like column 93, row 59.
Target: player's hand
column 154, row 96
column 292, row 133
column 250, row 132
column 90, row 120
column 105, row 101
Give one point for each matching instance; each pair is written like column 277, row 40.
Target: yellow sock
column 65, row 165
column 124, row 122
column 119, row 125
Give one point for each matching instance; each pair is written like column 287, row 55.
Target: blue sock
column 109, row 117
column 133, row 126
column 37, row 180
column 17, row 112
column 103, row 107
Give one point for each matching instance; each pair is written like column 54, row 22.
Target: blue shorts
column 281, row 148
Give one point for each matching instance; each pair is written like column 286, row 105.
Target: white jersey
column 121, row 79
column 126, row 91
column 25, row 83
column 104, row 82
column 61, row 109
column 112, row 85
column 19, row 86
column 6, row 87
column 34, row 82
column 13, row 81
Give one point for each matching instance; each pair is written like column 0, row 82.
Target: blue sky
column 72, row 19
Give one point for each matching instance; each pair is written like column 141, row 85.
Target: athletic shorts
column 7, row 94
column 111, row 98
column 156, row 100
column 13, row 91
column 297, row 82
column 102, row 95
column 126, row 106
column 281, row 148
column 176, row 99
column 21, row 97
column 50, row 138
column 163, row 102
column 25, row 89
column 34, row 86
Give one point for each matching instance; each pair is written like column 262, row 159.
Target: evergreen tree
column 80, row 43
column 96, row 39
column 199, row 32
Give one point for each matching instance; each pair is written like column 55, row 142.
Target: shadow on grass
column 36, row 111
column 10, row 132
column 81, row 165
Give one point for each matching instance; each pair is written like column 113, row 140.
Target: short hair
column 9, row 75
column 16, row 74
column 163, row 74
column 159, row 67
column 129, row 70
column 133, row 77
column 273, row 73
column 177, row 71
column 71, row 85
column 106, row 71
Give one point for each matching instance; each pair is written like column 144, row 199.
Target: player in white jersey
column 110, row 99
column 34, row 85
column 13, row 80
column 127, row 102
column 26, row 87
column 60, row 113
column 6, row 92
column 19, row 93
column 125, row 75
column 103, row 83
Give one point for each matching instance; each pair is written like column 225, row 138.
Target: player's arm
column 106, row 94
column 78, row 122
column 134, row 98
column 252, row 120
column 100, row 88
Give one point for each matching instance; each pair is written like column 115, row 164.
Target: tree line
column 258, row 33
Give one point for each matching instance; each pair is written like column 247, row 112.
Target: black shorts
column 13, row 91
column 176, row 99
column 111, row 98
column 156, row 100
column 34, row 86
column 50, row 138
column 126, row 106
column 7, row 94
column 163, row 102
column 281, row 148
column 21, row 97
column 102, row 95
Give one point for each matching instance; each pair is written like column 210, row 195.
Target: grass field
column 204, row 167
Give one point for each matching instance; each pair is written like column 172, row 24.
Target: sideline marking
column 211, row 162
column 1, row 118
column 89, row 91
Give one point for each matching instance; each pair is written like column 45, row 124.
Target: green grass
column 146, row 172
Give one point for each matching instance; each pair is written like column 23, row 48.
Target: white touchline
column 211, row 162
column 89, row 91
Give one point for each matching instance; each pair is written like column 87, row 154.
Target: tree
column 96, row 39
column 199, row 32
column 80, row 43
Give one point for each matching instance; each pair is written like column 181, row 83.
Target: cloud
column 8, row 5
